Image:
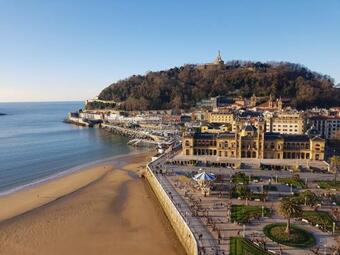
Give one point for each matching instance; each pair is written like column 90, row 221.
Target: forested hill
column 182, row 87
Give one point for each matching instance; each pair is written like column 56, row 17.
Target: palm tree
column 335, row 165
column 289, row 208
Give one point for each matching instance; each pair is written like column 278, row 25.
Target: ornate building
column 249, row 141
column 269, row 105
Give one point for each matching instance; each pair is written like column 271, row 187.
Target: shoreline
column 66, row 172
column 106, row 209
column 77, row 177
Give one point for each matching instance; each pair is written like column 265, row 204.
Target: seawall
column 178, row 223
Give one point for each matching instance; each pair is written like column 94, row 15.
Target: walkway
column 197, row 227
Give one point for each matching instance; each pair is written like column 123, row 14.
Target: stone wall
column 181, row 228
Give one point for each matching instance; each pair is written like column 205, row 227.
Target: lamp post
column 305, row 200
column 244, row 230
column 291, row 189
column 276, row 178
column 333, row 228
column 262, row 211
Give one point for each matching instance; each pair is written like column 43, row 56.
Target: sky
column 70, row 50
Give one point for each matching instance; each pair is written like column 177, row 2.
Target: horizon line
column 43, row 101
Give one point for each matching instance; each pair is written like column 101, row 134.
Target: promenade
column 207, row 244
column 207, row 216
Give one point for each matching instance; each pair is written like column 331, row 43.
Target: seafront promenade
column 209, row 218
column 204, row 240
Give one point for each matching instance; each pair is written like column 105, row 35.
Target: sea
column 36, row 145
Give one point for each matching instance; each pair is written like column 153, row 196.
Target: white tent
column 204, row 176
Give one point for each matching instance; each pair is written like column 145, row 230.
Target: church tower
column 270, row 101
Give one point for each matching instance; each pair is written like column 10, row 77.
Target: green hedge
column 298, row 237
column 321, row 218
column 242, row 213
column 242, row 246
column 329, row 185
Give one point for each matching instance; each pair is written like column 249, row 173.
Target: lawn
column 329, row 185
column 298, row 237
column 241, row 246
column 242, row 178
column 295, row 181
column 243, row 213
column 321, row 218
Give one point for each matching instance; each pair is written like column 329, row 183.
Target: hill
column 182, row 87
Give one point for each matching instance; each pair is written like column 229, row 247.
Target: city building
column 253, row 142
column 215, row 102
column 221, row 117
column 328, row 126
column 285, row 122
column 213, row 128
column 270, row 105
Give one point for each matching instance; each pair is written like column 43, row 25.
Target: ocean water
column 36, row 145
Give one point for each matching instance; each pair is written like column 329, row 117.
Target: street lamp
column 291, row 188
column 276, row 178
column 244, row 230
column 262, row 211
column 305, row 200
column 333, row 228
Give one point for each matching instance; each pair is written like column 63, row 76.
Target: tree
column 184, row 86
column 308, row 197
column 289, row 208
column 335, row 165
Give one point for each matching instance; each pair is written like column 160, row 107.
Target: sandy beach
column 105, row 209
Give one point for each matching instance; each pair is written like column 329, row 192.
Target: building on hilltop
column 271, row 104
column 218, row 60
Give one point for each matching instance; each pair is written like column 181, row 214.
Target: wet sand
column 106, row 209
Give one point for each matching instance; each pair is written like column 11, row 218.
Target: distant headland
column 2, row 114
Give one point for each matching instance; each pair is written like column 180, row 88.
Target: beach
column 104, row 209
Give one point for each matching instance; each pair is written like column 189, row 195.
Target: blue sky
column 70, row 50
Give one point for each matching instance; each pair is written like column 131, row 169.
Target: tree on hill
column 185, row 86
column 289, row 208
